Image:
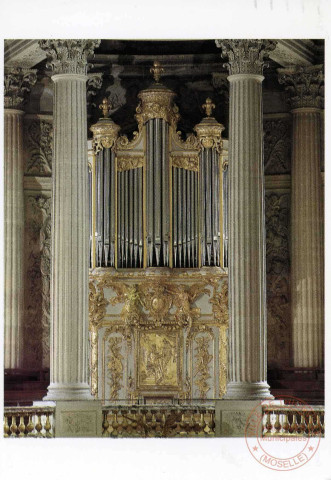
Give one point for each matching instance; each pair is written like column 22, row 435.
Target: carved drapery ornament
column 304, row 86
column 18, row 83
column 246, row 56
column 68, row 56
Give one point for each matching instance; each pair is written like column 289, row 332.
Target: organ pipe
column 159, row 201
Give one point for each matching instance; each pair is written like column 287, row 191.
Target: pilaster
column 305, row 88
column 18, row 82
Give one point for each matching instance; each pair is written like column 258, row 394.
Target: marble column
column 247, row 258
column 18, row 82
column 305, row 89
column 70, row 227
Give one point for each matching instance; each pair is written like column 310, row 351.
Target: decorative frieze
column 68, row 56
column 304, row 86
column 18, row 83
column 246, row 56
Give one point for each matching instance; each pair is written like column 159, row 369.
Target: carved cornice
column 18, row 83
column 105, row 131
column 304, row 86
column 209, row 133
column 157, row 102
column 68, row 56
column 246, row 56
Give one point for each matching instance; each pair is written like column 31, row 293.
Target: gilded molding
column 68, row 56
column 246, row 56
column 17, row 85
column 188, row 162
column 304, row 86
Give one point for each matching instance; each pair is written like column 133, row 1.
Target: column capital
column 18, row 83
column 68, row 56
column 303, row 85
column 246, row 56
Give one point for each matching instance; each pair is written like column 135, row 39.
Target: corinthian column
column 70, row 227
column 247, row 273
column 305, row 88
column 18, row 82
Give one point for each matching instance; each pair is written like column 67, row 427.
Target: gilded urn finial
column 208, row 107
column 105, row 106
column 157, row 71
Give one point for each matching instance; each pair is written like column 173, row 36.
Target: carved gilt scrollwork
column 188, row 162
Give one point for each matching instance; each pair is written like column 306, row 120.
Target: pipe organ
column 158, row 248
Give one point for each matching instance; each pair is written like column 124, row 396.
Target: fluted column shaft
column 307, row 263
column 70, row 232
column 247, row 274
column 14, row 237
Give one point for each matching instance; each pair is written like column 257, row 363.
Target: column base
column 248, row 391
column 68, row 391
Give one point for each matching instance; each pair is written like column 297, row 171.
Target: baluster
column 277, row 424
column 30, row 426
column 21, row 426
column 48, row 426
column 318, row 426
column 13, row 427
column 302, row 426
column 39, row 426
column 294, row 425
column 286, row 424
column 310, row 424
column 6, row 428
column 268, row 424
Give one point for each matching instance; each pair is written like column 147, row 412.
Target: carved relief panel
column 157, row 337
column 277, row 145
column 37, row 279
column 278, row 278
column 38, row 146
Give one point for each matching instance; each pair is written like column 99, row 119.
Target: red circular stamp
column 283, row 437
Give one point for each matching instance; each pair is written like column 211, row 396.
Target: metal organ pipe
column 158, row 205
column 209, row 208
